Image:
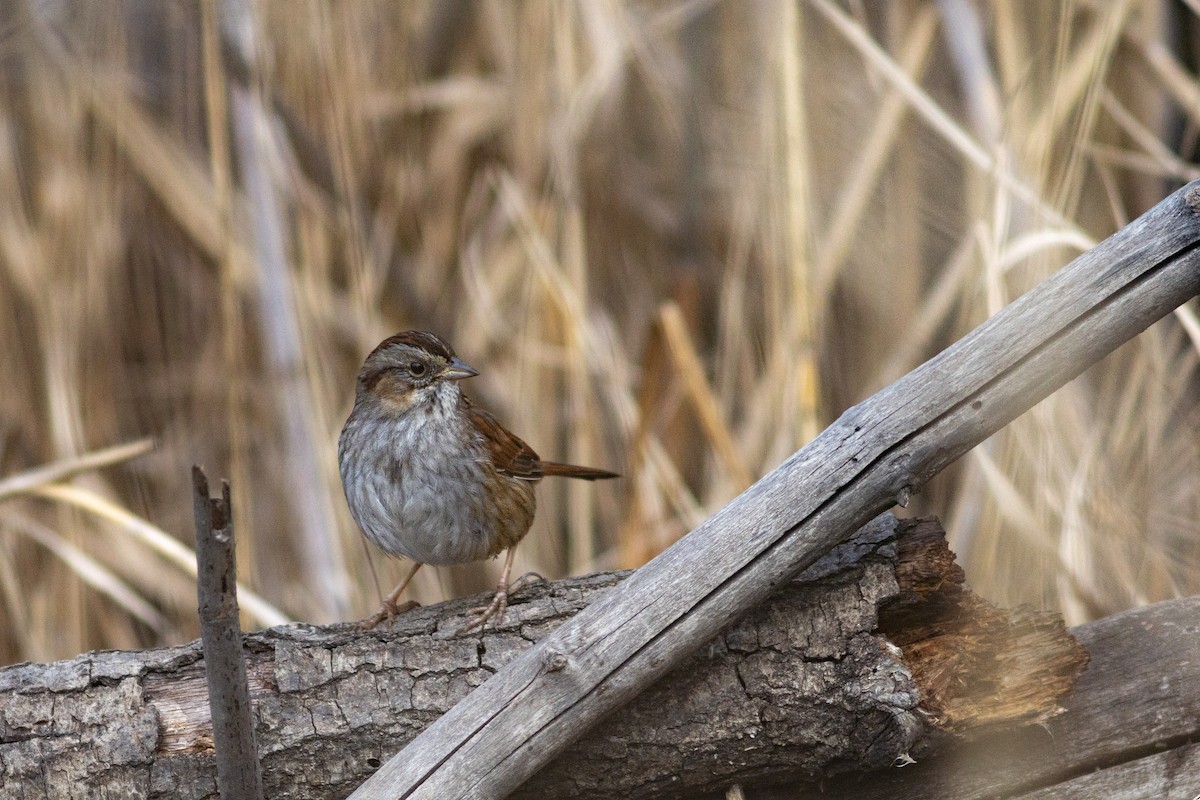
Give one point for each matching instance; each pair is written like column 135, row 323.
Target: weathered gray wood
column 1127, row 731
column 108, row 724
column 875, row 455
column 1161, row 776
column 238, row 774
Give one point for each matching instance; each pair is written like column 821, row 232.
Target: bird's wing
column 510, row 455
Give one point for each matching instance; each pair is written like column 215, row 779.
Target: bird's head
column 409, row 369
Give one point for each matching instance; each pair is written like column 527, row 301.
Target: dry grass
column 677, row 237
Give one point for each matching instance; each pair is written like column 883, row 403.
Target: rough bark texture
column 808, row 684
column 1128, row 731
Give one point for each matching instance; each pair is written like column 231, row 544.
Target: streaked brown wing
column 510, row 455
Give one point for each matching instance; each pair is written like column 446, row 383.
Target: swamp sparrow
column 431, row 476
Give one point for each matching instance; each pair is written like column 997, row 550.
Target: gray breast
column 423, row 497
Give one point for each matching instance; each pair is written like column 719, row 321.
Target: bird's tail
column 572, row 471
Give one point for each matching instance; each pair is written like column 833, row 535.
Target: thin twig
column 238, row 771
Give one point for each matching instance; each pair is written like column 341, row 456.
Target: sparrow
column 432, row 477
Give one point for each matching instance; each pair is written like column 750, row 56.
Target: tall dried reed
column 678, row 238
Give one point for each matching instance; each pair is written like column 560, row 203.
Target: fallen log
column 810, row 684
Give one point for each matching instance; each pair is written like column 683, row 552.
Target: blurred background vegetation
column 677, row 239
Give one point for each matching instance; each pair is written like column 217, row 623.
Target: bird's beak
column 458, row 370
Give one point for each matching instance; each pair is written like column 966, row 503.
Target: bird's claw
column 481, row 614
column 495, row 610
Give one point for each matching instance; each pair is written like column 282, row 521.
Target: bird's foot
column 494, row 611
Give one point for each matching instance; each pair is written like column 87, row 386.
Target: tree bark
column 1128, row 731
column 809, row 684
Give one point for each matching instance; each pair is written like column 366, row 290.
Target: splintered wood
column 976, row 664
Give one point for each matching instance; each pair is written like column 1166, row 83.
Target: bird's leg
column 500, row 602
column 389, row 609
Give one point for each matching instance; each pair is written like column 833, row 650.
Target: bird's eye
column 416, row 369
